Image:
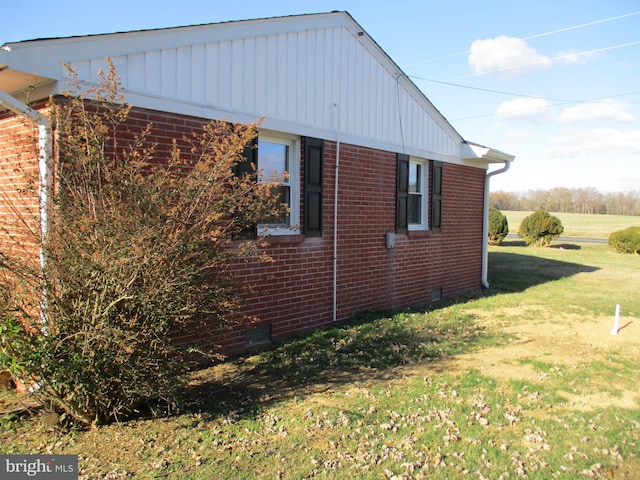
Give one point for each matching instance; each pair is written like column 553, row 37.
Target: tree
column 498, row 227
column 565, row 200
column 504, row 200
column 540, row 228
column 138, row 246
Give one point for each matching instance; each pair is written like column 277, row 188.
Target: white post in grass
column 616, row 322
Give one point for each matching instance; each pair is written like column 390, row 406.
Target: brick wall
column 19, row 178
column 294, row 293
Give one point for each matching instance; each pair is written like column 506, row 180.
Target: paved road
column 603, row 241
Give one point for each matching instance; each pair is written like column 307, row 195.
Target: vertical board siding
column 198, row 68
column 136, row 72
column 297, row 77
column 152, row 72
column 183, row 64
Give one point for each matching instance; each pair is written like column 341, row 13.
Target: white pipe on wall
column 335, row 216
column 45, row 149
column 44, row 154
column 485, row 224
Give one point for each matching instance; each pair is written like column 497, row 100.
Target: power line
column 523, row 95
column 557, row 101
column 500, row 92
column 553, row 32
column 588, row 24
column 568, row 102
column 547, row 59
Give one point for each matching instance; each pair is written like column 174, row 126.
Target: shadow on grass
column 512, row 272
column 566, row 246
column 364, row 349
column 560, row 246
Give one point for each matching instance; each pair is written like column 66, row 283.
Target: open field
column 523, row 381
column 580, row 225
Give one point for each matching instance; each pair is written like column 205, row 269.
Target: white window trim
column 424, row 181
column 293, row 142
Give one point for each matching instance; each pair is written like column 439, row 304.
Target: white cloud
column 528, row 109
column 509, row 56
column 601, row 140
column 608, row 109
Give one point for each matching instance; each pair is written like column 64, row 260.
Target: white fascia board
column 207, row 111
column 16, row 106
column 4, row 56
column 475, row 152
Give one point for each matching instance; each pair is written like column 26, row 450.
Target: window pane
column 415, row 208
column 283, row 194
column 415, row 174
column 273, row 160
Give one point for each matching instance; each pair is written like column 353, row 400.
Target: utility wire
column 546, row 59
column 495, row 114
column 588, row 24
column 522, row 95
column 500, row 92
column 557, row 101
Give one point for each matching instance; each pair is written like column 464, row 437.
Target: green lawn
column 522, row 381
column 580, row 225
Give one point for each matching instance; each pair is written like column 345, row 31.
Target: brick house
column 388, row 202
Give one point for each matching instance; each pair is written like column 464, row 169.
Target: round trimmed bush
column 498, row 227
column 540, row 228
column 626, row 241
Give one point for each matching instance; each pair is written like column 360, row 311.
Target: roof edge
column 475, row 151
column 178, row 27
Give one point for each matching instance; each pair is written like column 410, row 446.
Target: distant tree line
column 569, row 200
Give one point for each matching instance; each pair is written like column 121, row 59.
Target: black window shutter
column 313, row 163
column 402, row 193
column 247, row 166
column 436, row 196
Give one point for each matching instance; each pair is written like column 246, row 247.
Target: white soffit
column 475, row 152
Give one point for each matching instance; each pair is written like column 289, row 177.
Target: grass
column 523, row 381
column 580, row 225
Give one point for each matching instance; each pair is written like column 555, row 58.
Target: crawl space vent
column 258, row 335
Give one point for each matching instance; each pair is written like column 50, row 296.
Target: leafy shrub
column 138, row 246
column 498, row 227
column 540, row 228
column 626, row 241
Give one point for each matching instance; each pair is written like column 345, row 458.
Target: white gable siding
column 292, row 71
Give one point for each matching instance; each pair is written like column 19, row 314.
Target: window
column 417, row 195
column 278, row 161
column 412, row 194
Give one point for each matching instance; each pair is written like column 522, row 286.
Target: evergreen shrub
column 540, row 228
column 626, row 240
column 498, row 226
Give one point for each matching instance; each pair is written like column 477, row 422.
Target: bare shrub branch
column 138, row 245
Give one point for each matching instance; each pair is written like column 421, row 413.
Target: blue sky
column 554, row 82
